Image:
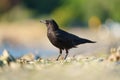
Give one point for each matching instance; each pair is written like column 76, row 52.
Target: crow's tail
column 89, row 41
column 82, row 41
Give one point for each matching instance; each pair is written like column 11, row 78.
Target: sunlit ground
column 77, row 68
column 20, row 38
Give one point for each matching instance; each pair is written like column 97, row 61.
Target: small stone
column 100, row 60
column 26, row 58
column 69, row 59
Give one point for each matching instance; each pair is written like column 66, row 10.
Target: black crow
column 62, row 39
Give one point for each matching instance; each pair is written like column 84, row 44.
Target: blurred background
column 21, row 32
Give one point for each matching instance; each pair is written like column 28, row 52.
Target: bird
column 61, row 39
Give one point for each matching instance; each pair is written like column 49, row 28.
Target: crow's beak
column 43, row 21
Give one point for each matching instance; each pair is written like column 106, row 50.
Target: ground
column 77, row 68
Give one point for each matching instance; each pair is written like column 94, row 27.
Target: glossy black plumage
column 62, row 39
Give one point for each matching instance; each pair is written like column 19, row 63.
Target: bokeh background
column 21, row 32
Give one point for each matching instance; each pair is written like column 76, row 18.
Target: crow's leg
column 59, row 55
column 66, row 54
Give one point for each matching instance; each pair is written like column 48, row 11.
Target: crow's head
column 51, row 24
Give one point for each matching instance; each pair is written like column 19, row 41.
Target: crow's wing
column 62, row 36
column 69, row 38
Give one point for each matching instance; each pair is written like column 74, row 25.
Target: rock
column 78, row 57
column 1, row 63
column 6, row 57
column 69, row 59
column 115, row 55
column 118, row 54
column 27, row 58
